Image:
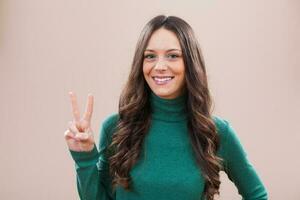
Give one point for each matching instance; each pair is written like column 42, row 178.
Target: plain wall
column 47, row 48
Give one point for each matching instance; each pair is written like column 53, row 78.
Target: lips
column 162, row 80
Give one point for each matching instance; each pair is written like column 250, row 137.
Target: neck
column 171, row 110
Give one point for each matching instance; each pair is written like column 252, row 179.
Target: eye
column 173, row 56
column 149, row 56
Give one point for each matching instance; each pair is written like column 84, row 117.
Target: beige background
column 48, row 48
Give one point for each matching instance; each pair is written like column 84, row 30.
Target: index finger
column 89, row 108
column 75, row 109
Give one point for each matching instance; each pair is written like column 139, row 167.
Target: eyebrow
column 167, row 50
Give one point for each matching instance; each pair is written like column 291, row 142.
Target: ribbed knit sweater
column 167, row 168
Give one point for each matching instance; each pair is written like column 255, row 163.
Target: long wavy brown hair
column 135, row 110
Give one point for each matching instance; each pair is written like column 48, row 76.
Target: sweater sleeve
column 92, row 175
column 239, row 169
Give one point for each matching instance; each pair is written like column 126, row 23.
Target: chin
column 166, row 95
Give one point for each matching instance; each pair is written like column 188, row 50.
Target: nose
column 160, row 65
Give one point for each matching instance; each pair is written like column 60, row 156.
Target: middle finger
column 72, row 127
column 75, row 108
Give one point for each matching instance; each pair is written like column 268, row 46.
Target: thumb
column 83, row 136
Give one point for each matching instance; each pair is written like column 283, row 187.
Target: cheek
column 179, row 70
column 146, row 73
column 181, row 79
column 146, row 69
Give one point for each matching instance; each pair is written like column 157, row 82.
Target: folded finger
column 69, row 134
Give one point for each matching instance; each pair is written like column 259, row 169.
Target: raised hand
column 79, row 135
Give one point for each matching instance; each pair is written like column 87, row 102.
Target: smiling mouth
column 162, row 80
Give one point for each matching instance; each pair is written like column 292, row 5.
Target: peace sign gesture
column 79, row 136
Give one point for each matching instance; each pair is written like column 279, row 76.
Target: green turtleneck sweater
column 167, row 168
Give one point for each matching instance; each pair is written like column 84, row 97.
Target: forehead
column 163, row 39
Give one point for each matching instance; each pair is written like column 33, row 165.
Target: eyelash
column 146, row 56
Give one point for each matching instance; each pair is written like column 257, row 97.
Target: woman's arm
column 239, row 169
column 92, row 175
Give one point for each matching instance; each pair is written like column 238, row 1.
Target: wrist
column 85, row 156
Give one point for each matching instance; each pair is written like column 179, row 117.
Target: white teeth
column 162, row 79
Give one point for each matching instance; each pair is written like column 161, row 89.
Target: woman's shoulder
column 222, row 130
column 229, row 138
column 110, row 121
column 221, row 124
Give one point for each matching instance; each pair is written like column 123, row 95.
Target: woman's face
column 163, row 65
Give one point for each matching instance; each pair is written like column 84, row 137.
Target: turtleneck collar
column 171, row 110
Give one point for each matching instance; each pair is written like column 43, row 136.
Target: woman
column 163, row 143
